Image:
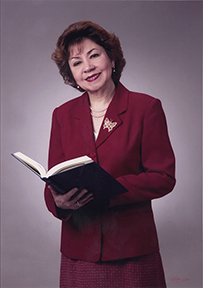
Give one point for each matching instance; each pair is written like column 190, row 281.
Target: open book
column 81, row 172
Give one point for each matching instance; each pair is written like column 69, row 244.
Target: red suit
column 133, row 147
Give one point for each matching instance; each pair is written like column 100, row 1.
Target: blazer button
column 92, row 155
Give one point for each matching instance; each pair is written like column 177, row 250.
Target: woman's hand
column 68, row 201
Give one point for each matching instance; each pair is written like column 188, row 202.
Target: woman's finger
column 83, row 199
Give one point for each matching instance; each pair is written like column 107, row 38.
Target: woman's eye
column 94, row 55
column 76, row 63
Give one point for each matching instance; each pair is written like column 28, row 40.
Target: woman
column 112, row 243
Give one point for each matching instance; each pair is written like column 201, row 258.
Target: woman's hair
column 75, row 34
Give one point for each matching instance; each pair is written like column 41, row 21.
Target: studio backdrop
column 161, row 41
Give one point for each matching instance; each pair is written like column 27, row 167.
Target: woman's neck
column 101, row 99
column 99, row 103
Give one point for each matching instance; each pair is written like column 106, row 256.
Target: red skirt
column 139, row 272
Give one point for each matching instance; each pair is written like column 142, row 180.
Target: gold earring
column 113, row 68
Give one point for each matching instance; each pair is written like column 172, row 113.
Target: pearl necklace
column 97, row 116
column 97, row 113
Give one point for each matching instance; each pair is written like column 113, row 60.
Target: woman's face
column 91, row 66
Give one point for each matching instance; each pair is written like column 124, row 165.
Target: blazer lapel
column 111, row 122
column 83, row 115
column 112, row 119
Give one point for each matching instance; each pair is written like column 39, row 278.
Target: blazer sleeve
column 157, row 161
column 56, row 156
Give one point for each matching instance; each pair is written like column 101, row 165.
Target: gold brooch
column 109, row 124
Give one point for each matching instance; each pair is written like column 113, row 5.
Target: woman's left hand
column 68, row 201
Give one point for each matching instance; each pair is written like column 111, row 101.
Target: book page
column 30, row 163
column 70, row 164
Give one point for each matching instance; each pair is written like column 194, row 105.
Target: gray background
column 161, row 41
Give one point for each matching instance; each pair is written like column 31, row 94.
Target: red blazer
column 137, row 152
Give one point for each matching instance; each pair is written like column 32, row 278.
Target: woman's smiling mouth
column 93, row 77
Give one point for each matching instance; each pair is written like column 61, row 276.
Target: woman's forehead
column 76, row 48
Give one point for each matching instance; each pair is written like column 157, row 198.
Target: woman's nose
column 88, row 67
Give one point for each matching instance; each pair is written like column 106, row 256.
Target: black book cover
column 90, row 176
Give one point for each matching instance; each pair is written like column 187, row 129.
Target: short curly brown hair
column 79, row 31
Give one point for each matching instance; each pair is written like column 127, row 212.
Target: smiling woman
column 75, row 34
column 90, row 59
column 110, row 243
column 92, row 69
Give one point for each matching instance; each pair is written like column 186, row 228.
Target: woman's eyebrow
column 89, row 52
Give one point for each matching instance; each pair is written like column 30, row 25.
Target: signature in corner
column 179, row 280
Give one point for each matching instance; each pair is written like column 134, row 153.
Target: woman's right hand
column 68, row 201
